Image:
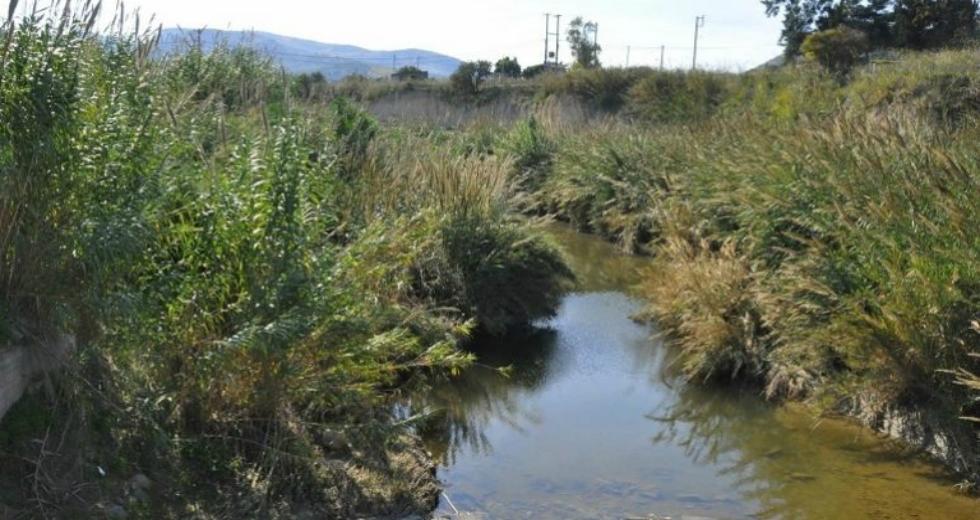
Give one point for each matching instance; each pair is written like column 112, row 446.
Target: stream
column 591, row 422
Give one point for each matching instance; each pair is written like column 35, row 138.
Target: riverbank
column 251, row 281
column 592, row 420
column 820, row 253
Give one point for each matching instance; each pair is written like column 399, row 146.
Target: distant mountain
column 298, row 55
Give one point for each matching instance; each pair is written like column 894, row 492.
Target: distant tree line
column 917, row 24
column 410, row 73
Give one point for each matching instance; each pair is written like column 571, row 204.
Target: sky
column 737, row 35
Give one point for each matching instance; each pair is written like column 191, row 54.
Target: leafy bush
column 838, row 49
column 468, row 77
column 603, row 89
column 704, row 299
column 508, row 67
column 225, row 258
column 612, row 183
column 410, row 73
column 678, row 96
column 533, row 152
column 76, row 149
column 353, row 132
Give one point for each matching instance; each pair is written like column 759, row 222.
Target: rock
column 140, row 481
column 334, row 441
column 116, row 512
column 140, row 496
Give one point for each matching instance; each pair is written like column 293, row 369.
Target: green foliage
column 581, row 38
column 921, row 24
column 410, row 73
column 604, row 89
column 608, row 182
column 507, row 67
column 309, row 85
column 679, row 96
column 74, row 156
column 469, row 76
column 353, row 132
column 915, row 24
column 501, row 277
column 533, row 71
column 838, row 49
column 246, row 275
column 533, row 151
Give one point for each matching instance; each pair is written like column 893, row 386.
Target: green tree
column 533, row 70
column 901, row 23
column 469, row 76
column 508, row 67
column 410, row 73
column 838, row 49
column 584, row 48
column 307, row 86
column 934, row 23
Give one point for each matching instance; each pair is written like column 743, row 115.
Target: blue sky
column 737, row 34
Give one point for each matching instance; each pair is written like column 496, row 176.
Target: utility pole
column 662, row 49
column 698, row 24
column 627, row 56
column 394, row 61
column 547, row 36
column 557, row 36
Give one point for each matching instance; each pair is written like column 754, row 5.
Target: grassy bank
column 255, row 274
column 252, row 280
column 812, row 233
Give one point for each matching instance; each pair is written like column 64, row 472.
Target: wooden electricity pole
column 698, row 24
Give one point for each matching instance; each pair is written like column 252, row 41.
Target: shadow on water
column 493, row 390
column 589, row 422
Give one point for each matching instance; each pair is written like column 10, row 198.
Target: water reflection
column 494, row 390
column 792, row 465
column 590, row 422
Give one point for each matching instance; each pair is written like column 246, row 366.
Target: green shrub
column 704, row 299
column 504, row 278
column 533, row 154
column 353, row 132
column 602, row 89
column 76, row 152
column 468, row 77
column 246, row 277
column 612, row 182
column 678, row 96
column 838, row 49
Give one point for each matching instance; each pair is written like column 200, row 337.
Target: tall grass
column 251, row 279
column 813, row 237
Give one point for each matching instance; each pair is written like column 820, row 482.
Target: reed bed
column 252, row 279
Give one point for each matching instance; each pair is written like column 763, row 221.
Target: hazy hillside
column 298, row 55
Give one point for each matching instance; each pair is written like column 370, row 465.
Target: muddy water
column 591, row 423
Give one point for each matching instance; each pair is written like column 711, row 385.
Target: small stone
column 140, row 495
column 140, row 481
column 116, row 512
